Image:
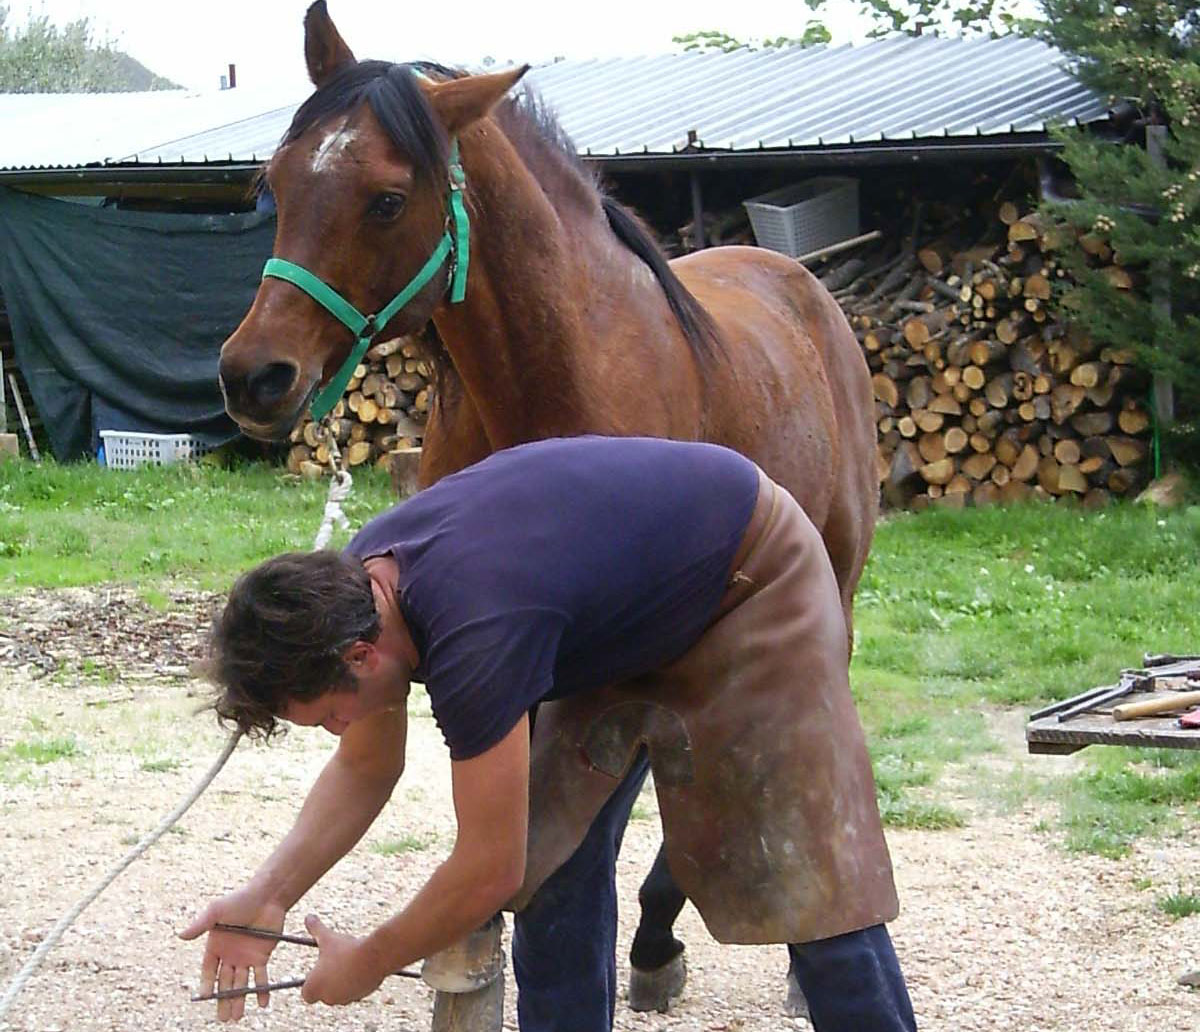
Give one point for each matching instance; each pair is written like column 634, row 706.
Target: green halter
column 366, row 327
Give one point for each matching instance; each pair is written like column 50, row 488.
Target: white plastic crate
column 805, row 216
column 125, row 449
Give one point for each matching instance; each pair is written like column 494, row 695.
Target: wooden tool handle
column 1151, row 707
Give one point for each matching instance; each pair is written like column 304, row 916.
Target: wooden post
column 469, row 979
column 33, row 448
column 698, row 237
column 1160, row 294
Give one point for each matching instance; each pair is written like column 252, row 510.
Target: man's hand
column 346, row 971
column 229, row 958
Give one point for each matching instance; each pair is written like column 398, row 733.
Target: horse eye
column 386, row 206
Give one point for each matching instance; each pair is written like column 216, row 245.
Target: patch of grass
column 163, row 766
column 961, row 611
column 42, row 751
column 80, row 524
column 405, row 844
column 641, row 812
column 1125, row 794
column 902, row 811
column 1179, row 904
column 99, row 672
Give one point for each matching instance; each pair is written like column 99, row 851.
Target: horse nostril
column 271, row 383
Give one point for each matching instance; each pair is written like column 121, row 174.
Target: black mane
column 396, row 100
column 395, row 97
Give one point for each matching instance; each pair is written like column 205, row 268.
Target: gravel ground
column 1000, row 929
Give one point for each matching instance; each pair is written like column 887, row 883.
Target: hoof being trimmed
column 654, row 990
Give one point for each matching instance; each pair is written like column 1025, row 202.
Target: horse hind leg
column 657, row 971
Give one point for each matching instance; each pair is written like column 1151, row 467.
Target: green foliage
column 1148, row 54
column 942, row 17
column 711, row 41
column 40, row 57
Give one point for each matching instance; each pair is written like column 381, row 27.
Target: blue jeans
column 564, row 948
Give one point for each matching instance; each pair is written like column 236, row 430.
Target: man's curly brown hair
column 283, row 633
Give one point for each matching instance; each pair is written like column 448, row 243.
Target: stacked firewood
column 381, row 414
column 982, row 392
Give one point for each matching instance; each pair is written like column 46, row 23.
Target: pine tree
column 1144, row 53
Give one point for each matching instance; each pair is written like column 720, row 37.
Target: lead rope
column 339, row 491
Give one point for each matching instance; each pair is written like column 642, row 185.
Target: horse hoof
column 655, row 989
column 795, row 1006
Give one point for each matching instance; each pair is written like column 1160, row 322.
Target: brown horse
column 572, row 321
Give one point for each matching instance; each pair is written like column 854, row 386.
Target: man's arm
column 343, row 802
column 484, row 871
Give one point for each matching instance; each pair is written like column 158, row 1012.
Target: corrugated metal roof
column 899, row 89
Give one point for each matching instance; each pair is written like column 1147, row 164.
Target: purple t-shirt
column 557, row 567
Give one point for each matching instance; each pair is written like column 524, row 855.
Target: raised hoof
column 654, row 990
column 795, row 1006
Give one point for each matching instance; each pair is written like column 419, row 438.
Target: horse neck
column 521, row 341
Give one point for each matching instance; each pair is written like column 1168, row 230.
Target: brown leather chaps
column 763, row 781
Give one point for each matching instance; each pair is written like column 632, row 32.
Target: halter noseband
column 455, row 245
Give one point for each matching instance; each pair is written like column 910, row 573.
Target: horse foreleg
column 657, row 971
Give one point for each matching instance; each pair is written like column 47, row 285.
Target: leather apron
column 760, row 766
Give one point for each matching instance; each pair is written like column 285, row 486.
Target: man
column 641, row 603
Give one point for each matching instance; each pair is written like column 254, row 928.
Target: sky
column 193, row 43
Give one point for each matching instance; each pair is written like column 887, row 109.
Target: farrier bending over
column 621, row 591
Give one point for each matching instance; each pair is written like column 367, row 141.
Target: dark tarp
column 118, row 317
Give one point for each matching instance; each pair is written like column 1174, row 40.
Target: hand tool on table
column 1153, row 707
column 1131, row 681
column 291, row 983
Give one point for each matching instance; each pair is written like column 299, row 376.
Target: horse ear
column 460, row 102
column 324, row 49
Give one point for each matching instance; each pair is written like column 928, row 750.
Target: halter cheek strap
column 455, row 245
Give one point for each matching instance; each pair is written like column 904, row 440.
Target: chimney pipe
column 232, row 76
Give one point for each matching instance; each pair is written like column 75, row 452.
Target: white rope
column 339, row 491
column 65, row 922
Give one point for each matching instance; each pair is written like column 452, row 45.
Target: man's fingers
column 208, row 973
column 260, row 978
column 315, row 928
column 241, row 979
column 197, row 928
column 225, row 981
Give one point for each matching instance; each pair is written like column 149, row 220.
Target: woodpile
column 982, row 393
column 382, row 413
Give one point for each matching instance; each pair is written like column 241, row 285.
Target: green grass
column 160, row 766
column 1179, row 904
column 960, row 612
column 40, row 751
column 405, row 844
column 76, row 525
column 1127, row 793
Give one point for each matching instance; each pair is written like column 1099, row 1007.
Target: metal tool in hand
column 291, row 983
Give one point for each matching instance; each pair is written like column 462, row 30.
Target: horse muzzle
column 268, row 400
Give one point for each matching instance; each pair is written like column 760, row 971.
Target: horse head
column 362, row 183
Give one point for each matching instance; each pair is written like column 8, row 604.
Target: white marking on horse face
column 333, row 147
